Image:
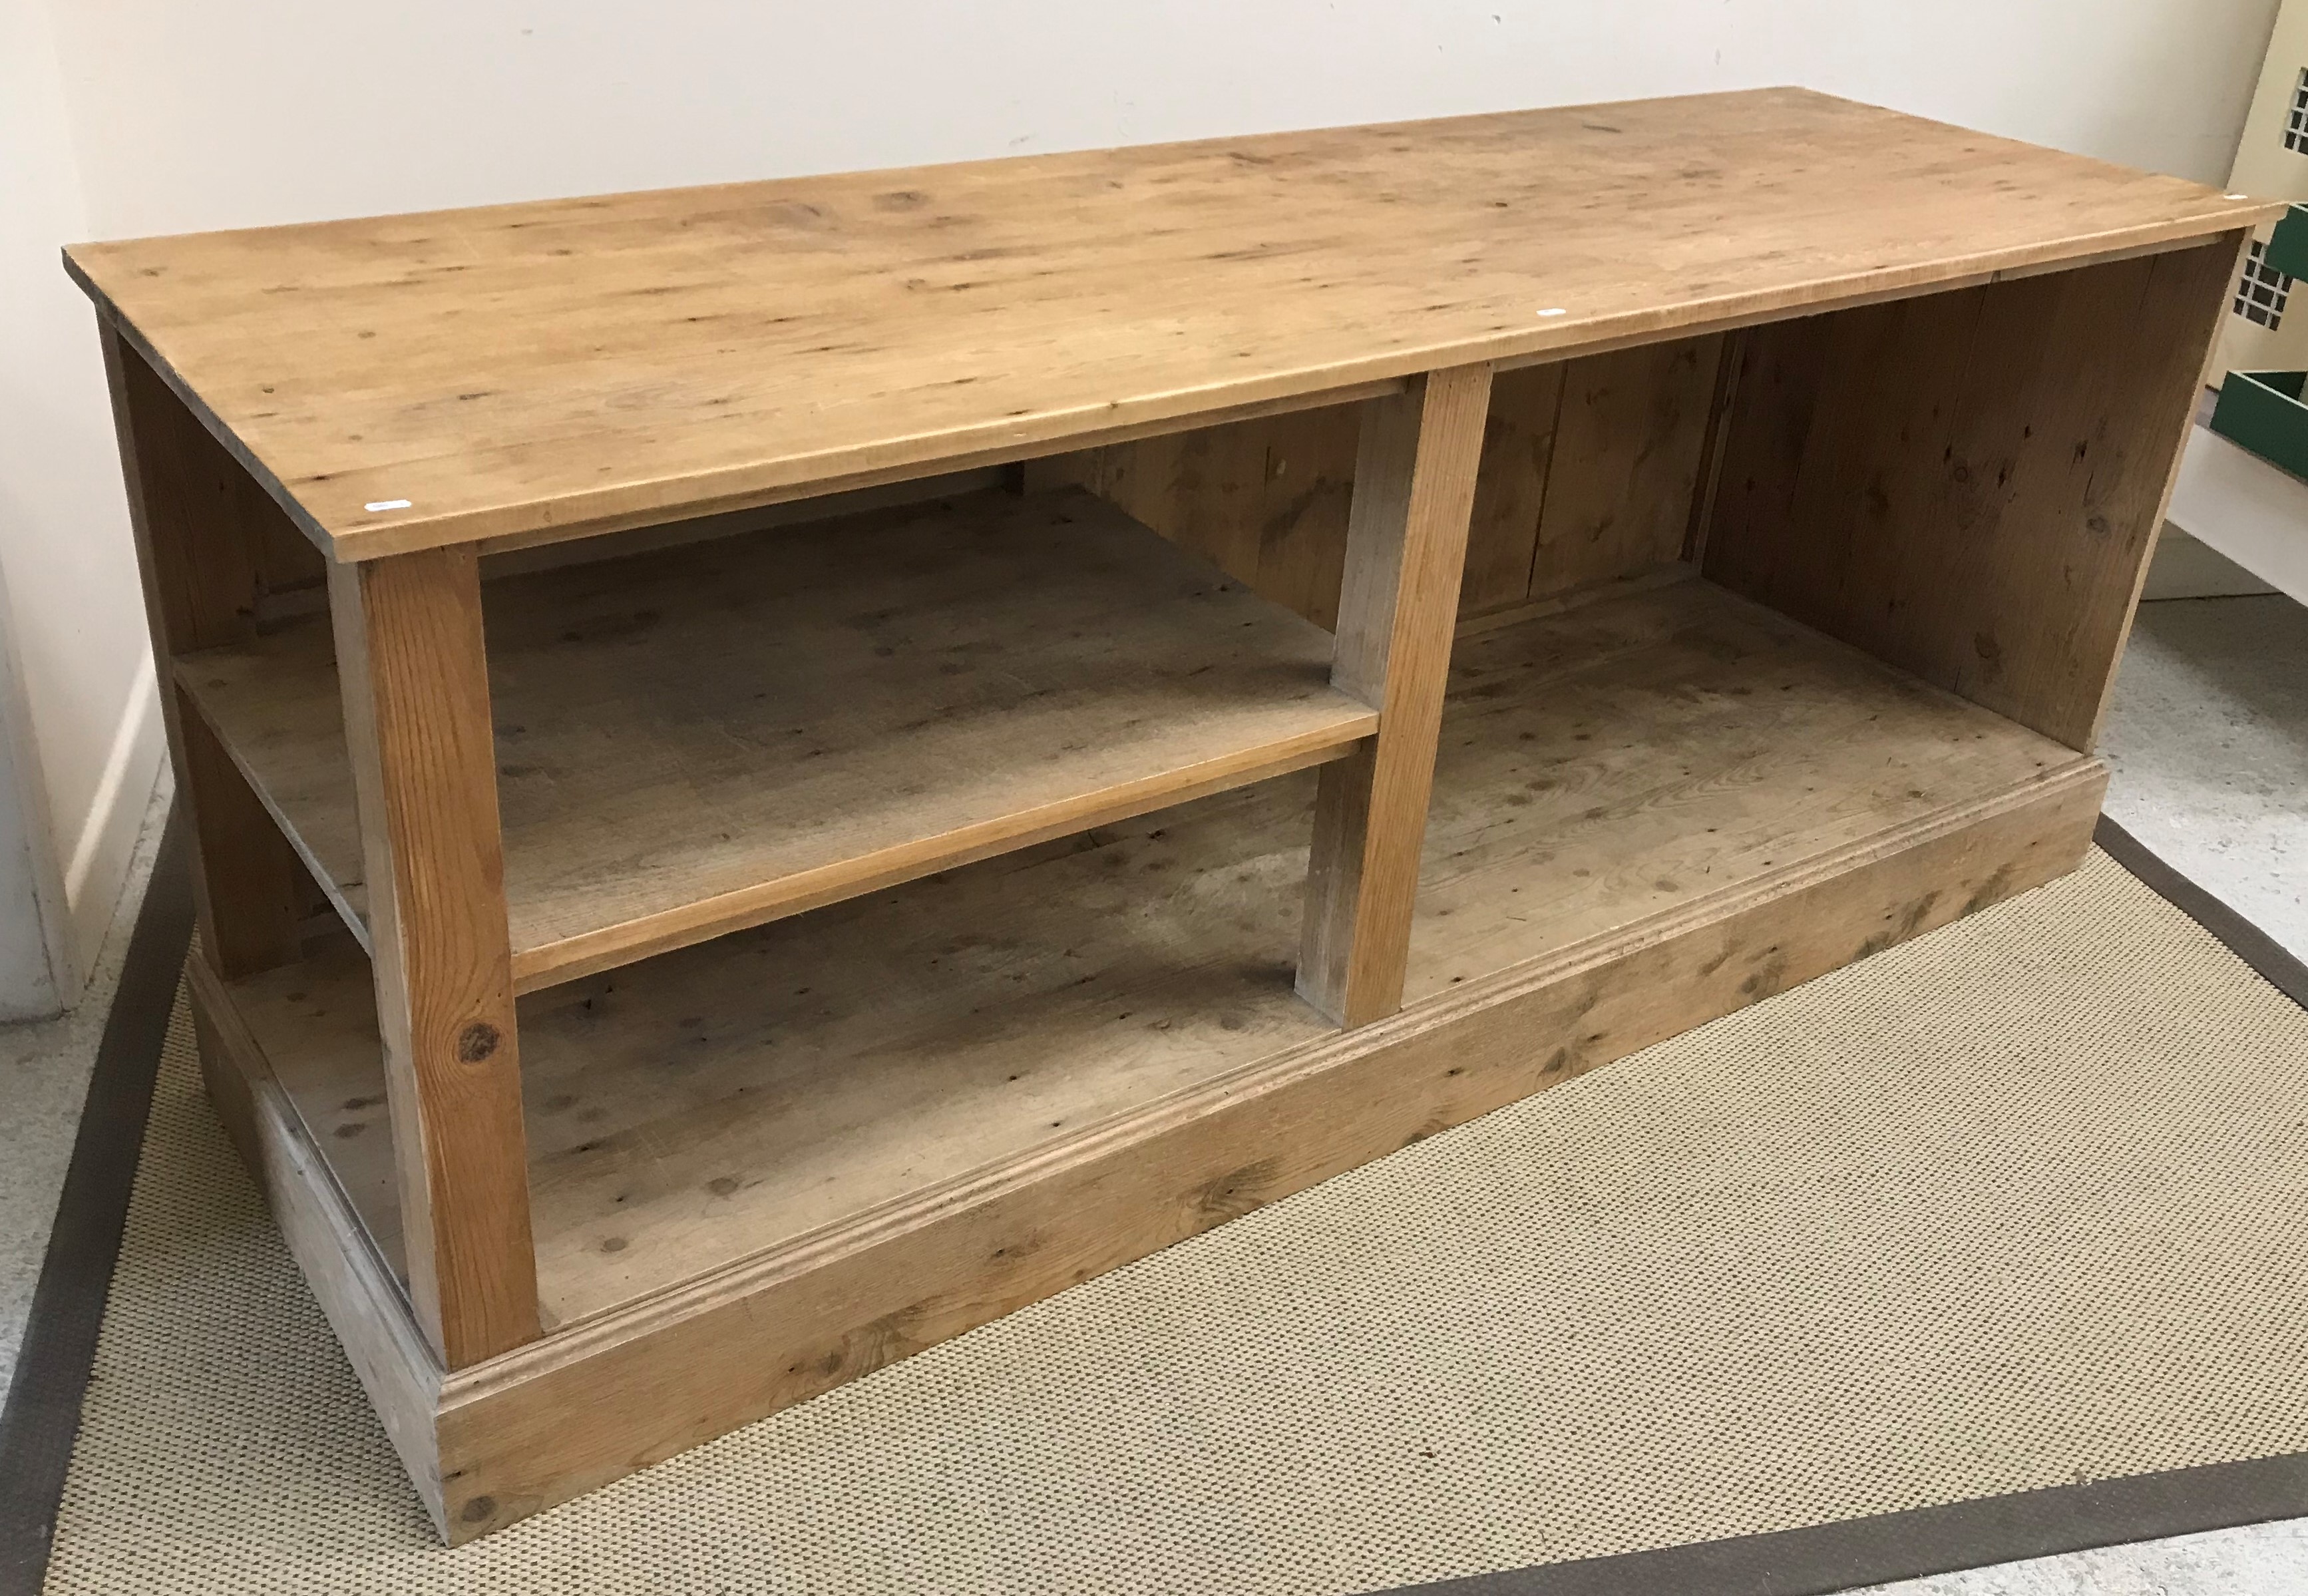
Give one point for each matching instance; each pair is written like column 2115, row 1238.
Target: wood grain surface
column 1267, row 500
column 1970, row 484
column 699, row 739
column 1511, row 487
column 415, row 695
column 1627, row 446
column 1637, row 754
column 548, row 1422
column 1405, row 547
column 191, row 513
column 1641, row 758
column 565, row 367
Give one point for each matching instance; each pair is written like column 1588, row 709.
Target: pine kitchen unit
column 780, row 769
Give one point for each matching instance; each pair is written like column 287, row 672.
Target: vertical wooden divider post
column 414, row 673
column 1414, row 495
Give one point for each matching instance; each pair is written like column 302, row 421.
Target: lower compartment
column 767, row 1164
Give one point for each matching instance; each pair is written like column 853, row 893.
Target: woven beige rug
column 2021, row 1204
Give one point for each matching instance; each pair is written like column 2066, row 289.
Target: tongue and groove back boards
column 1590, row 473
column 1931, row 478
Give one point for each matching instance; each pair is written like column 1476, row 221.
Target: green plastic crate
column 2288, row 246
column 2262, row 412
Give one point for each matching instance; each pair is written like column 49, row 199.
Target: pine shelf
column 697, row 741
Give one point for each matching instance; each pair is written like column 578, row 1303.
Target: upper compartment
column 712, row 736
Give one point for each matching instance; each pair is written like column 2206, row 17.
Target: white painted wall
column 241, row 112
column 75, row 673
column 2236, row 503
column 35, row 953
column 273, row 111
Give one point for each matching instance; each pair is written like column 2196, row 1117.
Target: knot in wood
column 476, row 1041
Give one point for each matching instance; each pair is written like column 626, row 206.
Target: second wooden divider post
column 1414, row 494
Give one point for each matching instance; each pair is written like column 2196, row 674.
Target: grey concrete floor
column 2259, row 1560
column 2207, row 737
column 2207, row 741
column 44, row 1068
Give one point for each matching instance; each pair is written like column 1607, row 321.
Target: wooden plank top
column 522, row 373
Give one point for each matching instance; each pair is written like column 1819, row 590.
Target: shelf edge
column 574, row 958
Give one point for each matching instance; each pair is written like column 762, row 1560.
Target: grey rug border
column 1821, row 1558
column 40, row 1421
column 2269, row 959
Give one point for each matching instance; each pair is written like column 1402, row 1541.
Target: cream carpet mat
column 2022, row 1203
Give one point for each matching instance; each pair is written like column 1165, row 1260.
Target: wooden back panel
column 1968, row 485
column 1589, row 475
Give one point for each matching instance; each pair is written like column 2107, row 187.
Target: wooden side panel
column 1589, row 470
column 201, row 551
column 355, row 1290
column 414, row 681
column 1633, row 428
column 1969, row 485
column 1406, row 546
column 547, row 1423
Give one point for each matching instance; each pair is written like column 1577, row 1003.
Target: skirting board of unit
column 2240, row 505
